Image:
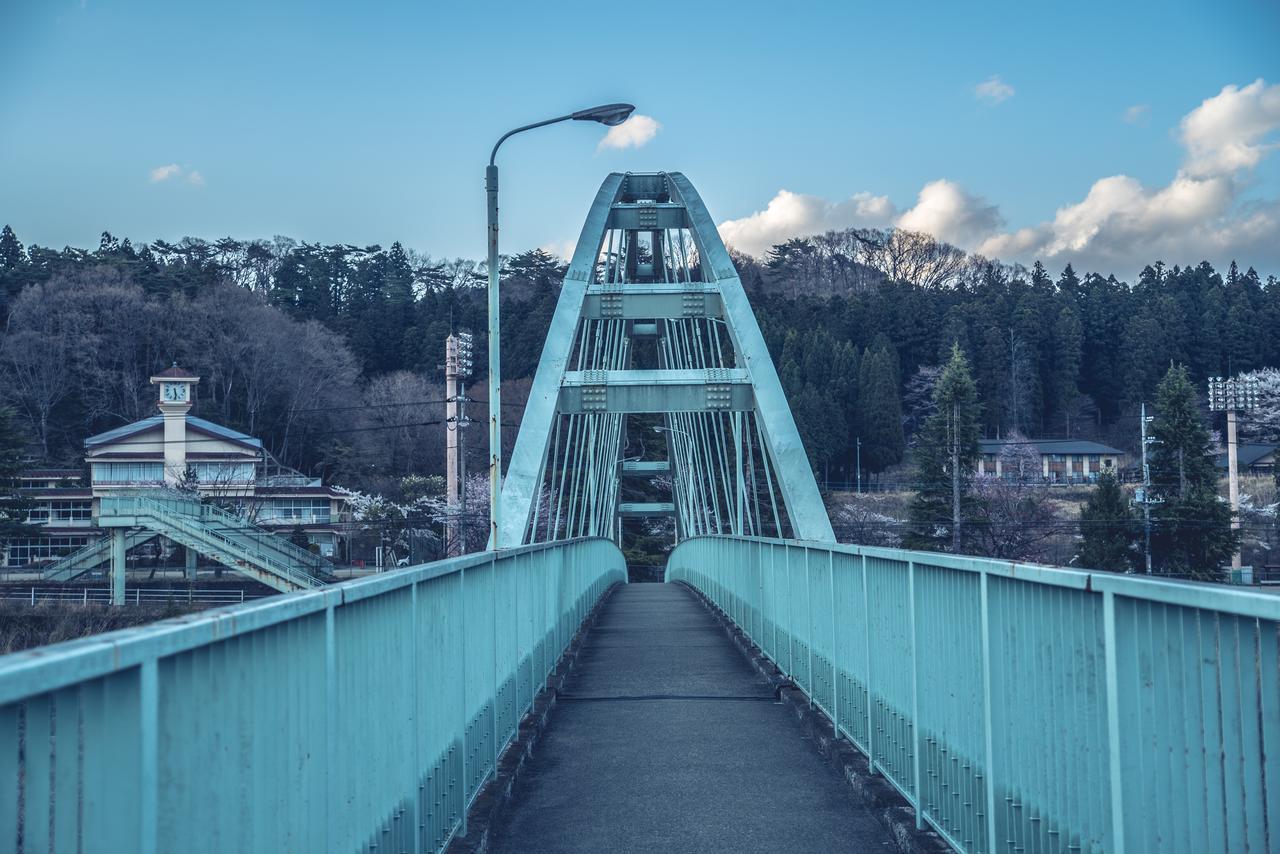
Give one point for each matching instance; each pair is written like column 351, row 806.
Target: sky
column 1107, row 135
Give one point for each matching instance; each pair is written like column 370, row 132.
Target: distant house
column 1253, row 458
column 177, row 449
column 1061, row 460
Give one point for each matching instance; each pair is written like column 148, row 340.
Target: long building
column 175, row 449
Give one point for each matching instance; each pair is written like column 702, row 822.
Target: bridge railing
column 359, row 717
column 1020, row 707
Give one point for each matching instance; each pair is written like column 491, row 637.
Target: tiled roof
column 154, row 421
column 1248, row 453
column 176, row 373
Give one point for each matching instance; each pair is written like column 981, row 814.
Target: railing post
column 835, row 671
column 866, row 623
column 331, row 724
column 808, row 625
column 148, row 754
column 1113, row 719
column 915, row 692
column 988, row 735
column 462, row 625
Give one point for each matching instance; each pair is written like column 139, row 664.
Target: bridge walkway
column 666, row 739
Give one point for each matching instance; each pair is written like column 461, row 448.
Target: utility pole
column 1144, row 496
column 859, row 446
column 1232, row 396
column 457, row 368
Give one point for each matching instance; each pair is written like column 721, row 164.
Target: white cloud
column 1138, row 114
column 164, row 173
column 993, row 90
column 1120, row 224
column 172, row 171
column 946, row 211
column 633, row 133
column 791, row 214
column 1227, row 132
column 562, row 249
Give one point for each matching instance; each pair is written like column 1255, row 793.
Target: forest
column 331, row 353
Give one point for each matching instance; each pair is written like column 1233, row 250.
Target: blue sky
column 1019, row 131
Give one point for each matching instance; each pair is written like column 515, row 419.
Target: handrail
column 1024, row 707
column 145, row 506
column 365, row 713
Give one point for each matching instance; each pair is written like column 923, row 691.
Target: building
column 1255, row 458
column 178, row 450
column 1061, row 460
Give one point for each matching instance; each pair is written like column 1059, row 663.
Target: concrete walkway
column 667, row 740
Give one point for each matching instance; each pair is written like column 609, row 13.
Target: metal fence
column 137, row 596
column 359, row 717
column 1026, row 708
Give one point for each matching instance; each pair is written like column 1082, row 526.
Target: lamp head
column 606, row 114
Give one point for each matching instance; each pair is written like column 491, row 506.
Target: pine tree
column 1108, row 528
column 945, row 456
column 880, row 413
column 1191, row 532
column 14, row 506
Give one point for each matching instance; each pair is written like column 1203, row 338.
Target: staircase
column 89, row 557
column 215, row 533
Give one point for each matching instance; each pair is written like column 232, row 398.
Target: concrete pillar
column 191, row 557
column 117, row 566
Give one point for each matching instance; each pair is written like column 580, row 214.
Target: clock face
column 174, row 392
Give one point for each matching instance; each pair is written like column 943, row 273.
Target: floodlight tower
column 457, row 368
column 1237, row 394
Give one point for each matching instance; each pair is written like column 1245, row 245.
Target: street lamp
column 607, row 114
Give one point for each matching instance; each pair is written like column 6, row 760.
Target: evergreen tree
column 14, row 506
column 945, row 456
column 879, row 413
column 1108, row 528
column 1191, row 532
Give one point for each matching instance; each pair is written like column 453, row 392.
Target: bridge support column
column 192, row 557
column 117, row 566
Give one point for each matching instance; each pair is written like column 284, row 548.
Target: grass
column 25, row 626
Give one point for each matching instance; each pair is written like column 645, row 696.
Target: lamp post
column 607, row 114
column 1232, row 395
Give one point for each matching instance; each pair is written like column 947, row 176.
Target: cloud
column 1227, row 132
column 164, row 173
column 1138, row 114
column 993, row 90
column 172, row 171
column 1119, row 225
column 633, row 133
column 791, row 214
column 946, row 211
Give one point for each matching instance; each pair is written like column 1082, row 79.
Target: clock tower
column 177, row 392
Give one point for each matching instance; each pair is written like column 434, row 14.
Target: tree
column 14, row 506
column 1108, row 528
column 879, row 412
column 1191, row 532
column 1014, row 516
column 946, row 454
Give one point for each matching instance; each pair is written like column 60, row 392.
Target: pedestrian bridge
column 1014, row 708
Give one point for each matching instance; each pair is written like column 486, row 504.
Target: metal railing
column 1021, row 707
column 359, row 717
column 179, row 526
column 136, row 596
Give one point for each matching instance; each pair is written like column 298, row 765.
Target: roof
column 1050, row 446
column 1248, row 453
column 175, row 373
column 49, row 473
column 199, row 424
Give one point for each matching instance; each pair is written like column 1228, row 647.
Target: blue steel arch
column 650, row 265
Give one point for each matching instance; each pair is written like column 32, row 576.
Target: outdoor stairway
column 89, row 557
column 222, row 536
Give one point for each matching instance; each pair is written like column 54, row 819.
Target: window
column 301, row 510
column 213, row 474
column 25, row 550
column 128, row 472
column 61, row 511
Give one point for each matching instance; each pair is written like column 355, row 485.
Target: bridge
column 528, row 698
